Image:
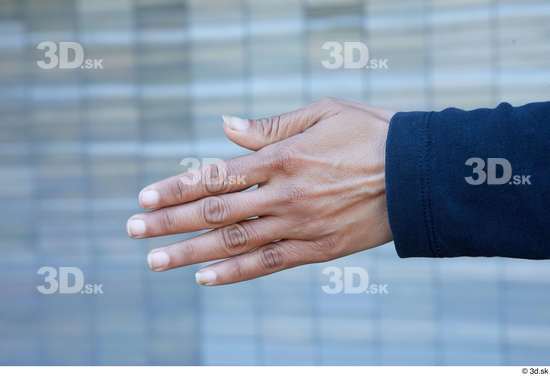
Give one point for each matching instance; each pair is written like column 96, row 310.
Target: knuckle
column 326, row 242
column 328, row 106
column 325, row 248
column 294, row 194
column 214, row 179
column 180, row 189
column 271, row 257
column 285, row 159
column 328, row 102
column 234, row 238
column 168, row 219
column 238, row 269
column 214, row 210
column 270, row 126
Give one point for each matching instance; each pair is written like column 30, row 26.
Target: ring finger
column 218, row 244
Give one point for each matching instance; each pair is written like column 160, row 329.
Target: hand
column 321, row 195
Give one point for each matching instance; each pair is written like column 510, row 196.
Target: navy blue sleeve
column 470, row 183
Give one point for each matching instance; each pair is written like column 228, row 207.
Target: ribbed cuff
column 408, row 153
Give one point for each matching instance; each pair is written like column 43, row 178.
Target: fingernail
column 205, row 277
column 149, row 198
column 236, row 123
column 136, row 227
column 158, row 260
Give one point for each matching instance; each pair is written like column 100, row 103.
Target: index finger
column 229, row 176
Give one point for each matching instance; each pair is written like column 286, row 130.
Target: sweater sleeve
column 470, row 183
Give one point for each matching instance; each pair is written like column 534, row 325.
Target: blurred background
column 77, row 145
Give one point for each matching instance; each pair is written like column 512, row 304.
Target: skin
column 311, row 191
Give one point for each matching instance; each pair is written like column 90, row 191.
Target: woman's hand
column 320, row 196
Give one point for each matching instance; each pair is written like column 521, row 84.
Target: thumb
column 254, row 134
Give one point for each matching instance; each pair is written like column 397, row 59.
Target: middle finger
column 207, row 213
